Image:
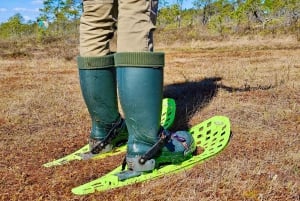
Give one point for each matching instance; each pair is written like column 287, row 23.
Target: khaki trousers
column 135, row 21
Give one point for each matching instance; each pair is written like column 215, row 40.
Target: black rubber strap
column 114, row 131
column 164, row 137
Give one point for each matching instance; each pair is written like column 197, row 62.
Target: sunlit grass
column 255, row 82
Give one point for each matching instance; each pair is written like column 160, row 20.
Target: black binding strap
column 114, row 131
column 164, row 137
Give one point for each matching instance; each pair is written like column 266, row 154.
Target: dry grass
column 253, row 82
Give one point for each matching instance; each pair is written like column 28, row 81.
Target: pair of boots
column 139, row 77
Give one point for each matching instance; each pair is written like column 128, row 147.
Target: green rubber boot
column 98, row 85
column 140, row 85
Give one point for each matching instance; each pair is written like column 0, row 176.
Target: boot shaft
column 140, row 87
column 98, row 85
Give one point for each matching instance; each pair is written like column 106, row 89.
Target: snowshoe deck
column 211, row 135
column 167, row 118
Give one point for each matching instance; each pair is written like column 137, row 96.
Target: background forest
column 206, row 17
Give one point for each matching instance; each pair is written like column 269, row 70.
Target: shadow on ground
column 191, row 97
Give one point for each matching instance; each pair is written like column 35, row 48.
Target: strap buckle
column 164, row 137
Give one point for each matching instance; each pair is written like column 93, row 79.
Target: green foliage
column 168, row 16
column 53, row 10
column 62, row 15
column 60, row 10
column 223, row 9
column 15, row 27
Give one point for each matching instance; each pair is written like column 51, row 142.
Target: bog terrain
column 255, row 81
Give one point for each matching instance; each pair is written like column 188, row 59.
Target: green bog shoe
column 170, row 148
column 211, row 137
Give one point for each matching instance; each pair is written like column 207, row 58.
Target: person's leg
column 97, row 26
column 136, row 23
column 97, row 72
column 140, row 85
